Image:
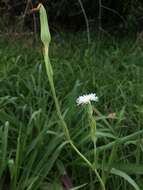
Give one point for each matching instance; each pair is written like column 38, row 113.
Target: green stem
column 94, row 143
column 65, row 128
column 81, row 155
column 92, row 123
column 100, row 179
column 51, row 82
column 89, row 164
column 45, row 38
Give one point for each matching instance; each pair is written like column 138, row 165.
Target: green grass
column 31, row 141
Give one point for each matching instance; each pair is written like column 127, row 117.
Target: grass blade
column 126, row 177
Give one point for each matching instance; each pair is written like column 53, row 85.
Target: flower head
column 86, row 99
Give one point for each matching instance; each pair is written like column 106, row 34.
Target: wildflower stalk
column 46, row 38
column 89, row 164
column 50, row 77
column 92, row 125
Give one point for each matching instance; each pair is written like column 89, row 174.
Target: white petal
column 85, row 99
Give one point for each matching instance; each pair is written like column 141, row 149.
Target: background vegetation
column 34, row 154
column 124, row 14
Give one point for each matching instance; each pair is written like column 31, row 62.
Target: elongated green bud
column 45, row 33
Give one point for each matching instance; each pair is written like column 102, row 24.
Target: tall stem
column 100, row 179
column 89, row 164
column 45, row 37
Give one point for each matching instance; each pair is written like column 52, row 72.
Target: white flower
column 86, row 99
